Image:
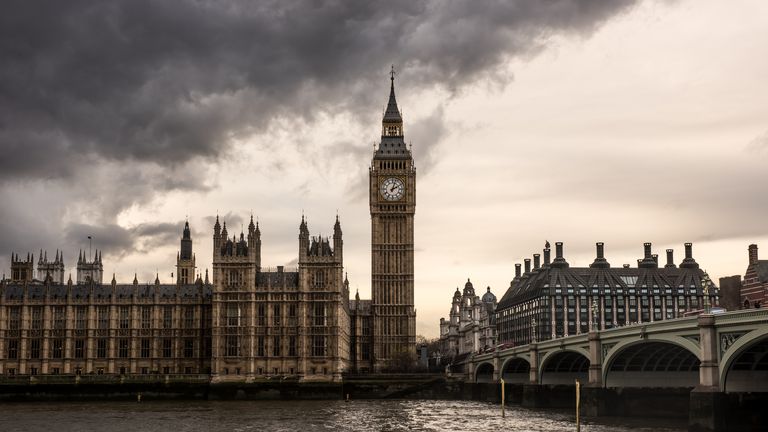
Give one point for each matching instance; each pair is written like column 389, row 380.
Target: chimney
column 517, row 270
column 752, row 254
column 527, row 265
column 670, row 259
column 536, row 261
column 625, row 266
column 600, row 261
column 559, row 260
column 546, row 257
column 689, row 262
column 655, row 258
column 647, row 261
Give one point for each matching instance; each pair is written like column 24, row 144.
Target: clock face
column 392, row 189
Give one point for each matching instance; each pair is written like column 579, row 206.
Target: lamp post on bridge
column 706, row 283
column 595, row 322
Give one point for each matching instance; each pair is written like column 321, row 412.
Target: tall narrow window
column 145, row 348
column 81, row 317
column 79, row 348
column 125, row 317
column 103, row 317
column 146, row 317
column 189, row 317
column 167, row 348
column 168, row 317
column 57, row 348
column 123, row 348
column 101, row 348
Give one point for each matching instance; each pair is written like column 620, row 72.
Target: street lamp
column 533, row 329
column 595, row 322
column 706, row 283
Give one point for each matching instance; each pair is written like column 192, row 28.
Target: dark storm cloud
column 118, row 102
column 170, row 81
column 116, row 240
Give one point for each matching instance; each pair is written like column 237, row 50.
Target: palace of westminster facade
column 243, row 322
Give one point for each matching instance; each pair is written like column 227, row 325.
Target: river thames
column 362, row 415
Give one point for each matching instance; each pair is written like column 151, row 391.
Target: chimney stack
column 648, row 261
column 670, row 259
column 559, row 260
column 546, row 257
column 689, row 262
column 600, row 261
column 753, row 254
column 536, row 261
column 517, row 270
column 527, row 265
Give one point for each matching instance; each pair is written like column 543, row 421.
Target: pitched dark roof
column 546, row 281
column 762, row 271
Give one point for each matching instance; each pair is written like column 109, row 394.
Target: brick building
column 754, row 289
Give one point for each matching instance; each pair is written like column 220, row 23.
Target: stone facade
column 48, row 327
column 279, row 322
column 471, row 324
column 392, row 197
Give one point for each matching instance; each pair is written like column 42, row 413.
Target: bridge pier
column 533, row 373
column 707, row 401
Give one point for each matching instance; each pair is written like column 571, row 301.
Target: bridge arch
column 516, row 370
column 564, row 367
column 652, row 363
column 744, row 366
column 484, row 372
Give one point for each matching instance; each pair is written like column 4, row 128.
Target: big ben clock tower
column 393, row 204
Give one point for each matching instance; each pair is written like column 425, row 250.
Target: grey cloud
column 167, row 82
column 427, row 134
column 111, row 104
column 116, row 240
column 759, row 145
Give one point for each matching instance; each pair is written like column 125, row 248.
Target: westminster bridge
column 714, row 366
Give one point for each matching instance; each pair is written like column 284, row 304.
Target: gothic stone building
column 554, row 299
column 279, row 322
column 91, row 327
column 249, row 322
column 471, row 323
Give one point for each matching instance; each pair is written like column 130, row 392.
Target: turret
column 303, row 239
column 185, row 259
column 254, row 241
column 338, row 243
column 216, row 237
column 22, row 270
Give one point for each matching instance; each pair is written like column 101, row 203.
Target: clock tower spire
column 392, row 197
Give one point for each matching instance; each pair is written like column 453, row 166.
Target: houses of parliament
column 243, row 321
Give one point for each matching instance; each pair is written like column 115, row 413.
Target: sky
column 578, row 121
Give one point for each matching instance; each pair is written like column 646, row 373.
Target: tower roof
column 392, row 145
column 392, row 114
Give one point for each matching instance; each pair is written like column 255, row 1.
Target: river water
column 305, row 416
